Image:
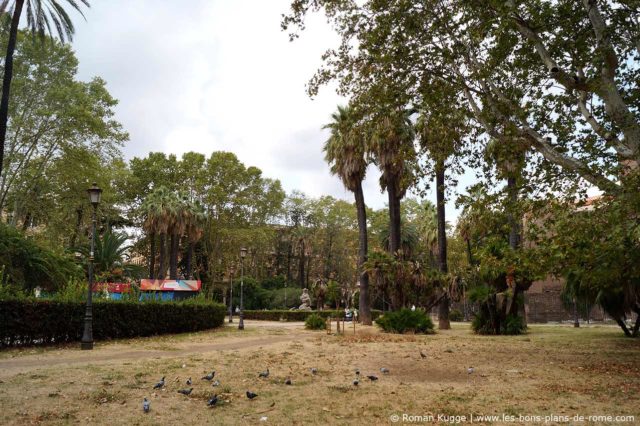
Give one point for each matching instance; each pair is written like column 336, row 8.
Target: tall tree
column 345, row 152
column 40, row 17
column 441, row 127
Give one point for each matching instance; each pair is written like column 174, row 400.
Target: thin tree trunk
column 76, row 231
column 394, row 237
column 443, row 309
column 26, row 222
column 162, row 269
column 636, row 327
column 188, row 260
column 152, row 255
column 623, row 326
column 514, row 238
column 8, row 75
column 363, row 250
column 301, row 266
column 469, row 253
column 173, row 256
column 394, row 218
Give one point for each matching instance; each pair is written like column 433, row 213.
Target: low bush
column 35, row 322
column 296, row 315
column 456, row 315
column 315, row 322
column 406, row 320
column 511, row 325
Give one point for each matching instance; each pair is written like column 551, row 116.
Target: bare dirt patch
column 552, row 370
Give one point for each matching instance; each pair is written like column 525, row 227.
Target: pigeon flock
column 213, row 401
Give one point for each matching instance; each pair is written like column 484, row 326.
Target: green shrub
column 27, row 265
column 36, row 322
column 514, row 325
column 456, row 315
column 314, row 322
column 406, row 320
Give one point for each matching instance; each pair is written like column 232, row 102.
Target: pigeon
column 288, row 381
column 313, row 370
column 423, row 355
column 251, row 395
column 160, row 384
column 146, row 405
column 213, row 401
column 216, row 383
column 189, row 381
column 209, row 376
column 356, row 382
column 185, row 391
column 264, row 374
column 372, row 378
column 384, row 370
column 470, row 370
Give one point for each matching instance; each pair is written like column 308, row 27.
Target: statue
column 306, row 300
column 319, row 291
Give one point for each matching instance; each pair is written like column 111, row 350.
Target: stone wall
column 543, row 303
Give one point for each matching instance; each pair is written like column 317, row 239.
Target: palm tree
column 164, row 199
column 194, row 230
column 509, row 155
column 392, row 147
column 440, row 131
column 40, row 16
column 345, row 151
column 152, row 211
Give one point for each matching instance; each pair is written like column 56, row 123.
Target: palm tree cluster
column 357, row 140
column 171, row 218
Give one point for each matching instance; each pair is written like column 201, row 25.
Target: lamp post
column 87, row 336
column 243, row 253
column 231, row 272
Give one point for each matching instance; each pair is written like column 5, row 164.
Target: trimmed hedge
column 31, row 322
column 296, row 315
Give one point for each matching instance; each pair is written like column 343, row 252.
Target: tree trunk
column 301, row 266
column 623, row 326
column 8, row 75
column 76, row 231
column 394, row 238
column 363, row 250
column 162, row 269
column 26, row 222
column 152, row 255
column 443, row 308
column 514, row 238
column 469, row 252
column 173, row 256
column 394, row 218
column 188, row 260
column 636, row 327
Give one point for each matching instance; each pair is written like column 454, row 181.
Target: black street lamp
column 87, row 337
column 243, row 254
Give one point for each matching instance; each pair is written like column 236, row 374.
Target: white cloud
column 217, row 75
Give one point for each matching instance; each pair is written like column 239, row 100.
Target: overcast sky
column 208, row 76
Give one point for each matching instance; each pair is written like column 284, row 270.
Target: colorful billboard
column 170, row 285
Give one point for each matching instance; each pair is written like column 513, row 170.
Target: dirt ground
column 554, row 372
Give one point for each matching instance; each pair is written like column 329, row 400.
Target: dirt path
column 117, row 353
